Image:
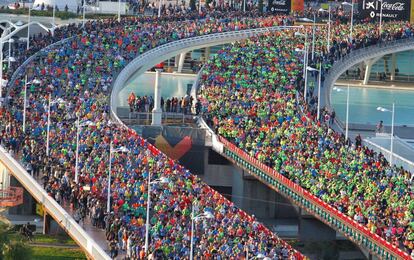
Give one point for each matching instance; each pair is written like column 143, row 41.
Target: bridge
column 329, row 215
column 297, row 195
column 141, row 63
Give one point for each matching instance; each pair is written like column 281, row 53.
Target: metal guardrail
column 357, row 56
column 154, row 56
column 354, row 231
column 397, row 159
column 19, row 71
column 52, row 207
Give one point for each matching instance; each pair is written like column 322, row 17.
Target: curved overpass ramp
column 358, row 56
column 140, row 64
column 154, row 56
column 297, row 195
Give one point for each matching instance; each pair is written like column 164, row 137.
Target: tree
column 10, row 250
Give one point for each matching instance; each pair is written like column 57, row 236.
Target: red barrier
column 327, row 207
column 155, row 151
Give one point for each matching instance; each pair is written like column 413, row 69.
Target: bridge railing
column 314, row 205
column 357, row 56
column 52, row 207
column 154, row 56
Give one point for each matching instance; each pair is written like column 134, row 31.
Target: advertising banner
column 391, row 9
column 297, row 5
column 280, row 6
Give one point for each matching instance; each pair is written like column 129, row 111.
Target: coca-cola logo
column 279, row 2
column 397, row 6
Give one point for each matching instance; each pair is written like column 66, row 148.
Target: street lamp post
column 352, row 17
column 347, row 109
column 382, row 109
column 305, row 61
column 313, row 32
column 121, row 149
column 10, row 59
column 35, row 81
column 78, row 130
column 329, row 26
column 58, row 100
column 54, row 12
column 207, row 215
column 119, row 11
column 319, row 87
column 162, row 180
column 380, row 19
column 83, row 13
column 28, row 29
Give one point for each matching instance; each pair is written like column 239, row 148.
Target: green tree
column 11, row 250
column 16, row 250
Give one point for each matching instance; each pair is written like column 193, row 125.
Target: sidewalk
column 377, row 84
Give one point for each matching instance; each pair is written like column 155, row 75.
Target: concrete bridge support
column 393, row 66
column 181, row 62
column 368, row 68
column 157, row 111
column 207, row 52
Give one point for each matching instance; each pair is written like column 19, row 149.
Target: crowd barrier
column 314, row 205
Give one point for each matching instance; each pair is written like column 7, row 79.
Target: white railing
column 357, row 56
column 61, row 216
column 397, row 159
column 154, row 56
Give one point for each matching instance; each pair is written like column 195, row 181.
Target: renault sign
column 391, row 9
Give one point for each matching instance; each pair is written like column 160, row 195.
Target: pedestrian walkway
column 377, row 84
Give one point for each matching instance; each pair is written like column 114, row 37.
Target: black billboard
column 391, row 10
column 280, row 6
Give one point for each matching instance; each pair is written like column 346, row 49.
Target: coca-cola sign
column 387, row 9
column 280, row 6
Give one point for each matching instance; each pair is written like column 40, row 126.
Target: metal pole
column 347, row 114
column 147, row 224
column 352, row 19
column 119, row 11
column 319, row 91
column 199, row 6
column 77, row 150
column 83, row 14
column 159, row 9
column 192, row 233
column 329, row 27
column 48, row 125
column 1, row 69
column 392, row 134
column 24, row 105
column 108, row 202
column 244, row 5
column 313, row 36
column 306, row 76
column 380, row 19
column 8, row 61
column 305, row 56
column 28, row 30
column 54, row 11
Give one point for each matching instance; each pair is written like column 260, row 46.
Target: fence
column 320, row 209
